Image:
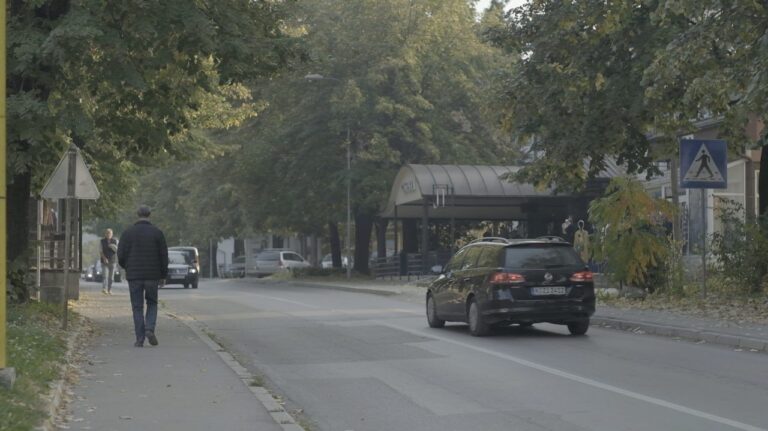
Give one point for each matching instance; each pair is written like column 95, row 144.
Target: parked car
column 90, row 273
column 327, row 261
column 237, row 267
column 269, row 262
column 181, row 270
column 496, row 282
column 191, row 253
column 95, row 273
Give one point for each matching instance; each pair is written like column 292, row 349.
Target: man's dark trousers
column 140, row 290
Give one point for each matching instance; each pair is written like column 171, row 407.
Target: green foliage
column 633, row 238
column 35, row 348
column 132, row 84
column 741, row 248
column 405, row 82
column 714, row 63
column 578, row 85
column 18, row 282
column 595, row 79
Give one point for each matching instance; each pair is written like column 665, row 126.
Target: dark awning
column 468, row 192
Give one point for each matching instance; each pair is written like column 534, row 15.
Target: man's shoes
column 151, row 337
column 109, row 292
column 138, row 343
column 104, row 291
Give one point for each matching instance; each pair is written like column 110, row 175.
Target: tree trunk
column 239, row 247
column 214, row 257
column 17, row 213
column 762, row 181
column 333, row 234
column 381, row 237
column 363, row 229
column 410, row 236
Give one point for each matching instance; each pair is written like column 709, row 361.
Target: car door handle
column 466, row 279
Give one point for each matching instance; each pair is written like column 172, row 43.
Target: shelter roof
column 464, row 191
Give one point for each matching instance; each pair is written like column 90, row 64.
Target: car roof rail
column 490, row 239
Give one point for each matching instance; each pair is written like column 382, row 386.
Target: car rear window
column 177, row 258
column 269, row 255
column 541, row 257
column 292, row 256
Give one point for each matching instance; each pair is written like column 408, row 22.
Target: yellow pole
column 3, row 226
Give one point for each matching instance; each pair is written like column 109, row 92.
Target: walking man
column 143, row 253
column 108, row 258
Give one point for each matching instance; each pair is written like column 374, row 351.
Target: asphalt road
column 354, row 361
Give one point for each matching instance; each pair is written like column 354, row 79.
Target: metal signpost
column 703, row 165
column 71, row 181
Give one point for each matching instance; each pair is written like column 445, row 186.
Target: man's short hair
column 143, row 211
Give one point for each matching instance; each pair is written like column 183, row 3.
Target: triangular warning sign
column 85, row 187
column 703, row 168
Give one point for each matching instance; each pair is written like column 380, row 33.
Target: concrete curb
column 278, row 413
column 737, row 341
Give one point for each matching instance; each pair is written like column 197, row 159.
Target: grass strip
column 36, row 348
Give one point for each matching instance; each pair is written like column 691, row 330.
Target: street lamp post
column 349, row 205
column 348, row 239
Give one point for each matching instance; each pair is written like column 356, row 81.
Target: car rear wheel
column 194, row 284
column 477, row 324
column 186, row 285
column 578, row 328
column 432, row 319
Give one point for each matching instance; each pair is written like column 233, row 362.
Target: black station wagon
column 498, row 282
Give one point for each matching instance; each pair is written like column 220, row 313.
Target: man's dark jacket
column 143, row 252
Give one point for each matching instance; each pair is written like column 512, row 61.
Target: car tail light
column 506, row 278
column 582, row 276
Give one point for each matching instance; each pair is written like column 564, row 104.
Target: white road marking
column 585, row 380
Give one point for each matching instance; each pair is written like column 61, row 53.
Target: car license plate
column 177, row 275
column 548, row 290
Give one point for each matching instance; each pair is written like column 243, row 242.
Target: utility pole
column 349, row 205
column 7, row 375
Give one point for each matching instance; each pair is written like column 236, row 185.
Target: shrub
column 632, row 240
column 741, row 247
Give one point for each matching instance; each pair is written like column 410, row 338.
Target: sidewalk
column 665, row 323
column 182, row 384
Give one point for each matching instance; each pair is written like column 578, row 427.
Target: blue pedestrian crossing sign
column 703, row 164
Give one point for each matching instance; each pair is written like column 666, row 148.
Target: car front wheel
column 477, row 324
column 578, row 328
column 432, row 319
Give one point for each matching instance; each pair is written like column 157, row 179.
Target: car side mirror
column 437, row 269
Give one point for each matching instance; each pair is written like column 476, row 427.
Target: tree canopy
column 398, row 81
column 597, row 79
column 133, row 84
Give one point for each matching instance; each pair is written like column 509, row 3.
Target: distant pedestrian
column 143, row 253
column 108, row 259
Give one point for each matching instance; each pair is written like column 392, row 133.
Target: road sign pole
column 71, row 154
column 703, row 243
